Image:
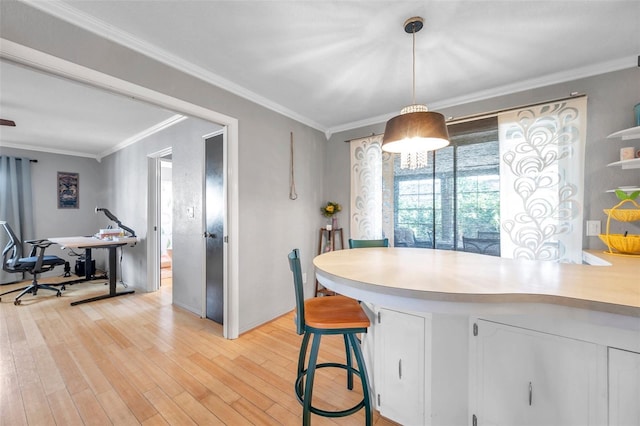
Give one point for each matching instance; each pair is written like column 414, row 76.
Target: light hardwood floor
column 137, row 359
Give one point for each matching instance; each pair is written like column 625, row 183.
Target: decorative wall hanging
column 68, row 190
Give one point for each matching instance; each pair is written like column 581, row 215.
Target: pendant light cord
column 413, row 34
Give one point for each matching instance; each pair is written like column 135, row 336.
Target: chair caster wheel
column 17, row 302
column 63, row 288
column 58, row 294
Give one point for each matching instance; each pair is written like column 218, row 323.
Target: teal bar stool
column 320, row 316
column 368, row 243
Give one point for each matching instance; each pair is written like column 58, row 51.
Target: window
column 457, row 196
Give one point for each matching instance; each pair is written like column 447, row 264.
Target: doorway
column 39, row 60
column 166, row 218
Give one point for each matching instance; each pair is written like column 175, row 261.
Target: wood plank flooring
column 138, row 360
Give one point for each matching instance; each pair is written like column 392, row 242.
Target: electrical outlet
column 593, row 228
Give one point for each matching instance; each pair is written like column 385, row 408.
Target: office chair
column 36, row 263
column 319, row 316
column 368, row 243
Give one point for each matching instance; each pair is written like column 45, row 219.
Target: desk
column 88, row 243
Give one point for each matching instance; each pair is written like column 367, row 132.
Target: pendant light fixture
column 416, row 131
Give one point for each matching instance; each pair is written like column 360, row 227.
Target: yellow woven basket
column 627, row 245
column 623, row 215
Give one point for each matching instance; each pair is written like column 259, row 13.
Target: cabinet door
column 400, row 385
column 624, row 387
column 525, row 377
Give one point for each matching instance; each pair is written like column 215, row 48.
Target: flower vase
column 334, row 223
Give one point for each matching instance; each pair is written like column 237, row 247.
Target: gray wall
column 270, row 224
column 49, row 221
column 611, row 98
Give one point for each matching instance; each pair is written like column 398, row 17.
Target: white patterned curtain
column 371, row 189
column 542, row 181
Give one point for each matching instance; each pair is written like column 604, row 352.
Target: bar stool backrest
column 384, row 242
column 294, row 264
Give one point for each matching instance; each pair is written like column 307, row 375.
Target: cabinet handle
column 530, row 393
column 400, row 368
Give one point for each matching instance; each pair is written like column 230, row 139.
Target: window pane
column 456, row 195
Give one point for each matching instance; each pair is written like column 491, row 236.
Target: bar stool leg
column 301, row 366
column 364, row 377
column 308, row 387
column 348, row 357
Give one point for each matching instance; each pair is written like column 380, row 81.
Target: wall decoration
column 68, row 190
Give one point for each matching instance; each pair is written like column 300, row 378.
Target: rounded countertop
column 453, row 276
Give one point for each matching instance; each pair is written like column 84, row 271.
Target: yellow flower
column 330, row 209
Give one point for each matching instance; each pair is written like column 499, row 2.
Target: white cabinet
column 400, row 366
column 524, row 377
column 624, row 388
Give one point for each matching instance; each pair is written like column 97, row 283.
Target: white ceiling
column 336, row 65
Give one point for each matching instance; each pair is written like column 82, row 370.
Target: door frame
column 57, row 66
column 153, row 218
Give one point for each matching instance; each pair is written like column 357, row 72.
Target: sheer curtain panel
column 542, row 181
column 16, row 205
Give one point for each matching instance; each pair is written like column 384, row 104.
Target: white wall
column 611, row 98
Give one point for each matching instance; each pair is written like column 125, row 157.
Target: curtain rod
column 22, row 158
column 465, row 118
column 452, row 120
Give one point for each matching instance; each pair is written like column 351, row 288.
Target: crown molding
column 48, row 150
column 175, row 119
column 534, row 83
column 73, row 16
column 77, row 18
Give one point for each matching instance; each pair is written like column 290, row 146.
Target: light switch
column 593, row 228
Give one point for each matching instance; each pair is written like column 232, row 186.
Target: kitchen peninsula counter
column 463, row 338
column 418, row 279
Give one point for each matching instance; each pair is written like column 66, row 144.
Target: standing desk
column 89, row 243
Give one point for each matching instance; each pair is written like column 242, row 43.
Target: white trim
column 143, row 134
column 75, row 17
column 534, row 83
column 96, row 26
column 49, row 150
column 54, row 65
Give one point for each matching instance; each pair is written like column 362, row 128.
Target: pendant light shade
column 416, row 130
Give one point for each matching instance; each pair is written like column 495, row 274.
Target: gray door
column 215, row 226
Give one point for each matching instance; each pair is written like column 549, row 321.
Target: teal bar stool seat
column 384, row 242
column 321, row 316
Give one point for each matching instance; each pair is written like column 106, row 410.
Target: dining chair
column 320, row 316
column 36, row 263
column 384, row 242
column 489, row 246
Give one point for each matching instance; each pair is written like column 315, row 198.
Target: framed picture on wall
column 68, row 190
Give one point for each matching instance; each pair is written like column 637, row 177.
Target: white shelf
column 626, row 134
column 634, row 163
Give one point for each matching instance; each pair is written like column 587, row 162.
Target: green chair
column 368, row 243
column 320, row 316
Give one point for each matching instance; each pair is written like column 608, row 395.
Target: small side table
column 327, row 242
